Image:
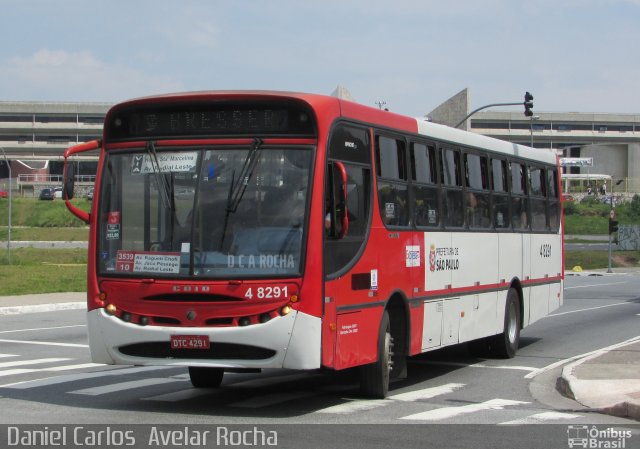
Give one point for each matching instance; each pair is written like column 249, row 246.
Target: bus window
column 552, row 195
column 537, row 184
column 391, row 167
column 500, row 185
column 340, row 252
column 424, row 185
column 519, row 201
column 450, row 170
column 478, row 198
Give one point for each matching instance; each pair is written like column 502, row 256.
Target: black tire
column 374, row 377
column 205, row 377
column 505, row 345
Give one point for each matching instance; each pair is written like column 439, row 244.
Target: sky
column 572, row 55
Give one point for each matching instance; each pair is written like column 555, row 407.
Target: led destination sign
column 214, row 120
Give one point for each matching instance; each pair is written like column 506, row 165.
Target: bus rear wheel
column 374, row 377
column 505, row 345
column 202, row 377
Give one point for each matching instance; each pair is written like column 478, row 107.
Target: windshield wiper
column 239, row 186
column 163, row 185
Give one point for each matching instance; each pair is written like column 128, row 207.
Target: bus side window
column 424, row 185
column 391, row 168
column 519, row 201
column 500, row 192
column 451, row 175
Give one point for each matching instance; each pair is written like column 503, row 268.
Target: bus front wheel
column 374, row 377
column 202, row 377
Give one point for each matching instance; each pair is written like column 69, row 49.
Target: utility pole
column 10, row 201
column 613, row 223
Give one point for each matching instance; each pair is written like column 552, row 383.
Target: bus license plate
column 190, row 342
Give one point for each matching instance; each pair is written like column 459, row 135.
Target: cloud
column 59, row 75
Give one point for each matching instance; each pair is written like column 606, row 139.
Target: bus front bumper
column 292, row 341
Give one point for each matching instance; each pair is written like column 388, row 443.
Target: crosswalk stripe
column 426, row 393
column 541, row 418
column 2, row 356
column 450, row 412
column 31, row 362
column 45, row 343
column 122, row 386
column 476, row 365
column 355, row 405
column 272, row 399
column 80, row 376
column 13, row 372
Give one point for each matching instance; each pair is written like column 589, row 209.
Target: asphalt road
column 46, row 378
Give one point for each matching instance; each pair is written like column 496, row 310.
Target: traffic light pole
column 528, row 104
column 485, row 107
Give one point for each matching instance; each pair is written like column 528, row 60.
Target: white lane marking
column 426, row 393
column 533, row 374
column 45, row 343
column 272, row 399
column 80, row 376
column 451, row 412
column 594, row 285
column 354, row 406
column 31, row 362
column 475, row 365
column 122, row 386
column 586, row 310
column 2, row 356
column 541, row 418
column 42, row 328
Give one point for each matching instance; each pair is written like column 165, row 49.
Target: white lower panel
column 295, row 338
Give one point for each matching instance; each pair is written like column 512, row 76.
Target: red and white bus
column 247, row 230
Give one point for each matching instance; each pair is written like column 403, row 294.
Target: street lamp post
column 611, row 219
column 533, row 117
column 10, row 201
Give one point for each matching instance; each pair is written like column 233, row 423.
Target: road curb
column 37, row 308
column 571, row 386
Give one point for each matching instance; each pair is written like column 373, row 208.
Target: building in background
column 34, row 135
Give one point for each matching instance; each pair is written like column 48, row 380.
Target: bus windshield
column 216, row 212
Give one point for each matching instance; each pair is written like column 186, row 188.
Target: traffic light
column 528, row 104
column 613, row 226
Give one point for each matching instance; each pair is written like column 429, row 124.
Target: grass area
column 584, row 225
column 45, row 234
column 589, row 260
column 43, row 271
column 37, row 213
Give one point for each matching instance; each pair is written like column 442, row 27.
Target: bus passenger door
column 349, row 274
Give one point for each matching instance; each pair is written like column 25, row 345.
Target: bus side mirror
column 69, row 180
column 342, row 213
column 69, row 177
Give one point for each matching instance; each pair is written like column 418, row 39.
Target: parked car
column 90, row 194
column 567, row 197
column 4, row 194
column 47, row 194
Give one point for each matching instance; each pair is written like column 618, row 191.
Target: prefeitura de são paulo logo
column 432, row 257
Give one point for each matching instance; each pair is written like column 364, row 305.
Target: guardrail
column 51, row 179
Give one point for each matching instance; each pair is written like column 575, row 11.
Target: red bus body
column 434, row 280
